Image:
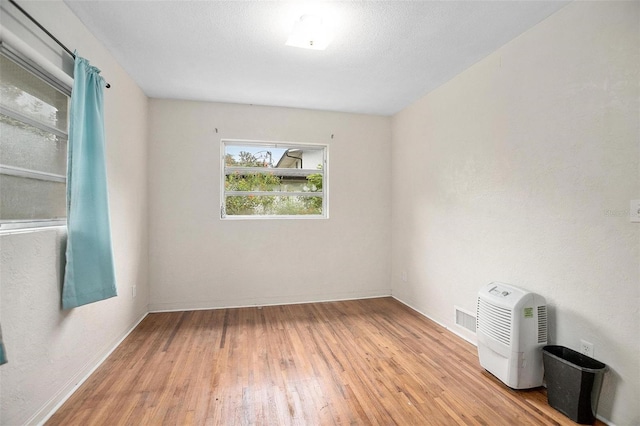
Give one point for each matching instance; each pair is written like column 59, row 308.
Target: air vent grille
column 465, row 320
column 542, row 324
column 494, row 321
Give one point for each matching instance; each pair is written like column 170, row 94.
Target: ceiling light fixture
column 309, row 32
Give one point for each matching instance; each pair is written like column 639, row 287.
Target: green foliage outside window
column 315, row 185
column 280, row 204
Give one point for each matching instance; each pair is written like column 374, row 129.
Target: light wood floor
column 361, row 362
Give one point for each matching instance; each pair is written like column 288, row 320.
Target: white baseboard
column 56, row 401
column 265, row 301
column 605, row 421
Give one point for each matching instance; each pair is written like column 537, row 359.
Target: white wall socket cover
column 634, row 211
column 586, row 348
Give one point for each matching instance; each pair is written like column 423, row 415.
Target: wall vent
column 465, row 319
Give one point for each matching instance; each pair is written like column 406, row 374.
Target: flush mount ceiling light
column 309, row 32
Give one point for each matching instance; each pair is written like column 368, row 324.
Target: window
column 33, row 147
column 267, row 179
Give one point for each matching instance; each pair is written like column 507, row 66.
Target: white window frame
column 41, row 71
column 300, row 172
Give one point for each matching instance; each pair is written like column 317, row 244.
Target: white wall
column 200, row 261
column 520, row 170
column 49, row 350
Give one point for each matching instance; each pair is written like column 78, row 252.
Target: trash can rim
column 573, row 364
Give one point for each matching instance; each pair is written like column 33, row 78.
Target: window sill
column 7, row 228
column 258, row 217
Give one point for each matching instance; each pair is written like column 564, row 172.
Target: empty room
column 319, row 212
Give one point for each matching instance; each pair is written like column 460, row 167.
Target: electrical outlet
column 134, row 291
column 586, row 348
column 403, row 275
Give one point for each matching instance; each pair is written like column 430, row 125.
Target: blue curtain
column 3, row 354
column 89, row 274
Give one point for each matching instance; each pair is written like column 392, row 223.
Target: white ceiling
column 384, row 54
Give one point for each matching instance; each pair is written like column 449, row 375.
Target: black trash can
column 573, row 382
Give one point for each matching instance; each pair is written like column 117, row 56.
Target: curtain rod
column 25, row 13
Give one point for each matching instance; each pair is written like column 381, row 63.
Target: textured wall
column 520, row 170
column 198, row 260
column 49, row 349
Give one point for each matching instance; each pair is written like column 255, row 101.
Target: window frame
column 301, row 172
column 38, row 71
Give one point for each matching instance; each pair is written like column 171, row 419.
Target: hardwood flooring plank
column 362, row 362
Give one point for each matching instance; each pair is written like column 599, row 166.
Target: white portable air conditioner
column 511, row 327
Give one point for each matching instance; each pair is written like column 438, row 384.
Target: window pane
column 25, row 93
column 26, row 199
column 275, row 205
column 273, row 157
column 250, row 156
column 301, row 158
column 25, row 146
column 279, row 179
column 269, row 182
